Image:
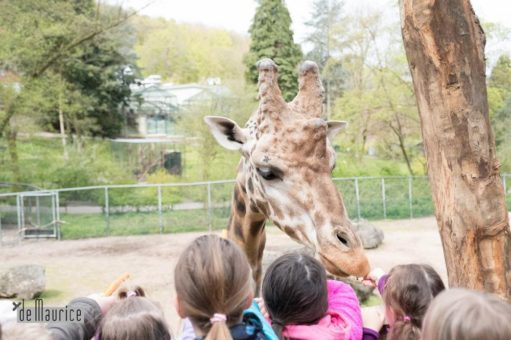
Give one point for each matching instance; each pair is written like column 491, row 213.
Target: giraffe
column 285, row 175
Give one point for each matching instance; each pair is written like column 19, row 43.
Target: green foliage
column 499, row 102
column 42, row 164
column 325, row 25
column 272, row 37
column 184, row 53
column 68, row 59
column 326, row 33
column 78, row 226
column 378, row 100
column 210, row 160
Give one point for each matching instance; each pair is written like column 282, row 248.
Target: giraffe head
column 287, row 160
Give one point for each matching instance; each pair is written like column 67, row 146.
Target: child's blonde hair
column 466, row 314
column 409, row 290
column 213, row 277
column 134, row 317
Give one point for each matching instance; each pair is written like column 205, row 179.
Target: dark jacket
column 78, row 330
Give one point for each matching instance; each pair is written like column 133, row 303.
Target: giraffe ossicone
column 285, row 175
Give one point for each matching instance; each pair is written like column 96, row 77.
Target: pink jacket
column 343, row 320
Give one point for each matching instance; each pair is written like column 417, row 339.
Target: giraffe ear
column 226, row 132
column 334, row 127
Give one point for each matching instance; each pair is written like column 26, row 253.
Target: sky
column 236, row 15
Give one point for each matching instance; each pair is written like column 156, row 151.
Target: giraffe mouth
column 332, row 268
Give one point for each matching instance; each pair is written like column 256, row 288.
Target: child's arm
column 343, row 300
column 92, row 308
column 377, row 278
column 373, row 318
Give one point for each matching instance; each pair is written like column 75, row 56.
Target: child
column 131, row 317
column 214, row 289
column 469, row 315
column 407, row 292
column 134, row 317
column 303, row 304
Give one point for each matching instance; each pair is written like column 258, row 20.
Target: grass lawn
column 140, row 223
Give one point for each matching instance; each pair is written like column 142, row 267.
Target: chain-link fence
column 168, row 208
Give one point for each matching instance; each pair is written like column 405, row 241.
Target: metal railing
column 130, row 209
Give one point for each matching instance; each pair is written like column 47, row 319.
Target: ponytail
column 278, row 328
column 404, row 330
column 219, row 331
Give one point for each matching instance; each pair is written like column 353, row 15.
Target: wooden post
column 444, row 45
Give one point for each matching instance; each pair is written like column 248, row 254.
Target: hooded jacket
column 343, row 320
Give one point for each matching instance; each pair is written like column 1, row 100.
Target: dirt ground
column 81, row 267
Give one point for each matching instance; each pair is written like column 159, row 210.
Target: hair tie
column 406, row 318
column 218, row 317
column 131, row 293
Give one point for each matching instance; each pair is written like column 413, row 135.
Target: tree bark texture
column 444, row 45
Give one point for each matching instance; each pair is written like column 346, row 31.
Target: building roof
column 151, row 89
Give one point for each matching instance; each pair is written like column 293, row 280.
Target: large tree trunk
column 444, row 45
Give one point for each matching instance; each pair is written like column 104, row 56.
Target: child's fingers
column 369, row 283
column 104, row 302
column 262, row 307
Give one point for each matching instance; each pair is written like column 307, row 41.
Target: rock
column 370, row 235
column 24, row 282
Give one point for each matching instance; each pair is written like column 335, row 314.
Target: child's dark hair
column 295, row 291
column 134, row 317
column 408, row 291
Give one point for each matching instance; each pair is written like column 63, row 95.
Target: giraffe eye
column 266, row 173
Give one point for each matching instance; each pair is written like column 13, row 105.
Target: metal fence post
column 383, row 198
column 357, row 195
column 57, row 203
column 1, row 236
column 210, row 223
column 107, row 212
column 19, row 208
column 410, row 195
column 160, row 209
column 38, row 211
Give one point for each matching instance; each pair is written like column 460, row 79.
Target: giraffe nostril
column 343, row 240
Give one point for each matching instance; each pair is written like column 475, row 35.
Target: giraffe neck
column 247, row 229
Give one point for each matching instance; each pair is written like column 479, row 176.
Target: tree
column 272, row 37
column 41, row 42
column 212, row 158
column 324, row 21
column 325, row 40
column 40, row 38
column 499, row 97
column 378, row 100
column 444, row 45
column 184, row 53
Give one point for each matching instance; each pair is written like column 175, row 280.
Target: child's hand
column 373, row 317
column 104, row 302
column 373, row 277
column 262, row 307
